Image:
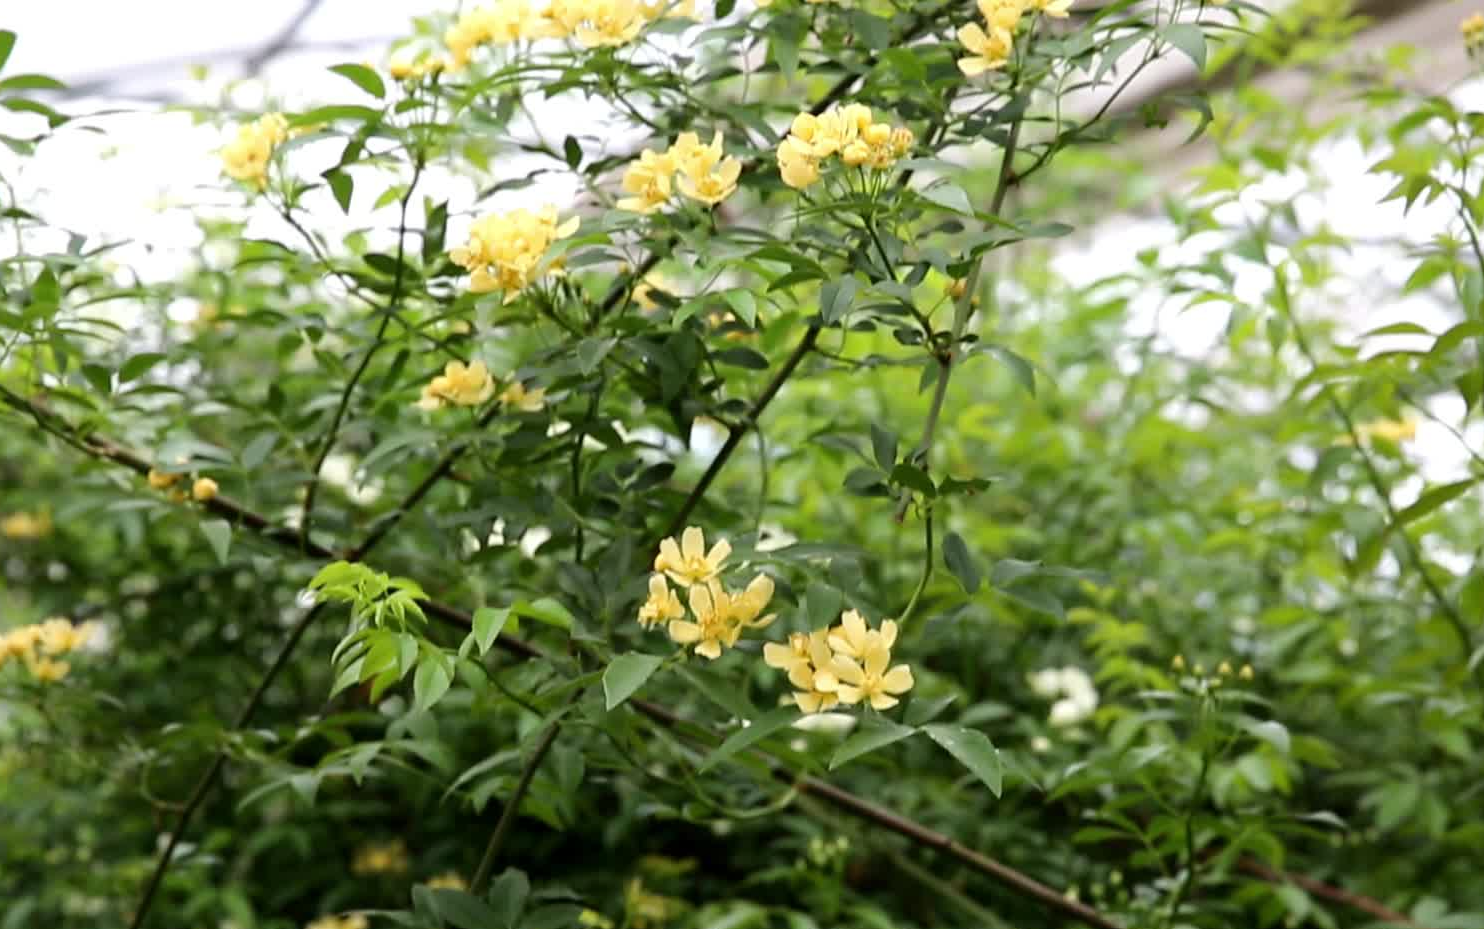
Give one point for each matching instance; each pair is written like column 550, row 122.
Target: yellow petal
column 898, row 680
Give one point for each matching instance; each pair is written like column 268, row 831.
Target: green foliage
column 1176, row 636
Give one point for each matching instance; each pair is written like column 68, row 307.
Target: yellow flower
column 1057, row 9
column 988, row 50
column 868, row 679
column 449, row 880
column 1392, row 430
column 648, row 182
column 246, row 157
column 348, row 921
column 504, row 250
column 26, row 526
column 693, row 159
column 381, row 858
column 662, row 606
column 713, row 187
column 712, row 629
column 851, row 637
column 646, row 910
column 204, row 489
column 517, row 397
column 47, row 670
column 806, row 659
column 57, row 636
column 459, row 384
column 407, row 64
column 796, row 163
column 594, row 920
column 689, row 563
column 1004, row 15
column 160, row 480
column 1472, row 27
column 610, row 23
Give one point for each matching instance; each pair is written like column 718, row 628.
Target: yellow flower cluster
column 408, row 64
column 37, row 646
column 246, row 157
column 704, row 173
column 472, row 384
column 849, row 132
column 381, row 858
column 845, row 664
column 990, row 45
column 718, row 616
column 1473, row 31
column 202, row 488
column 26, row 525
column 348, row 921
column 592, row 23
column 504, row 250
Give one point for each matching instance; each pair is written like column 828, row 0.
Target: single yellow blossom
column 648, row 182
column 204, row 489
column 689, row 563
column 851, row 637
column 160, row 480
column 713, row 629
column 662, row 606
column 988, row 50
column 459, row 384
column 246, row 157
column 869, row 679
column 715, row 186
column 26, row 526
column 381, row 858
column 610, row 23
column 517, row 397
column 47, row 670
column 796, row 163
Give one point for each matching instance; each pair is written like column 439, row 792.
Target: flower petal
column 692, row 542
column 684, row 632
column 882, row 701
column 898, row 680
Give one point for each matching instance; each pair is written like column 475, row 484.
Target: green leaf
column 219, row 536
column 7, row 42
column 31, row 82
column 949, row 197
column 462, row 910
column 488, row 622
column 626, row 674
column 431, row 682
column 913, row 478
column 545, row 610
column 836, row 297
column 1270, row 731
column 974, row 750
column 327, row 114
column 341, row 186
column 884, row 446
column 363, row 77
column 572, row 152
column 508, row 895
column 960, row 562
column 1024, row 372
column 743, row 304
column 136, row 366
column 874, row 733
column 1188, row 38
column 760, row 729
column 1432, row 498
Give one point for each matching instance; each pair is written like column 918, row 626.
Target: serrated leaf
column 626, row 674
column 877, row 733
column 974, row 750
column 363, row 77
column 760, row 729
column 960, row 562
column 219, row 536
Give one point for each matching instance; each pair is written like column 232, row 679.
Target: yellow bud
column 856, row 153
column 204, row 489
column 1178, row 663
column 159, row 480
column 958, row 288
column 1199, row 669
column 878, row 134
column 1224, row 669
column 1246, row 672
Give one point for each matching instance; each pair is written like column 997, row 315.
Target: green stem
column 512, row 806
